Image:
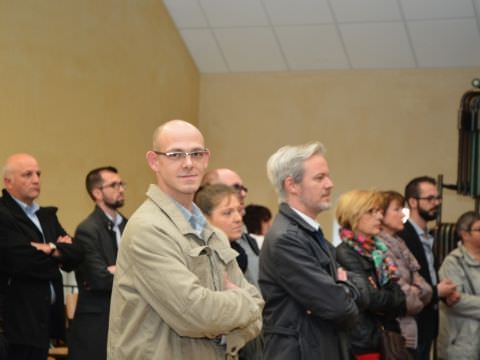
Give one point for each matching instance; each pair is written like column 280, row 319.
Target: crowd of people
column 194, row 273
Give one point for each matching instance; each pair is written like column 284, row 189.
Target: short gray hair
column 288, row 162
column 465, row 222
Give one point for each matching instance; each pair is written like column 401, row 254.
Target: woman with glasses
column 370, row 266
column 417, row 291
column 460, row 322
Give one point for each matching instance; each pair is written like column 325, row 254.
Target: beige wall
column 83, row 84
column 381, row 128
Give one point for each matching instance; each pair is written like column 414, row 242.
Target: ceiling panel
column 361, row 11
column 291, row 35
column 251, row 49
column 377, row 45
column 312, row 47
column 186, row 13
column 298, row 12
column 233, row 13
column 204, row 50
column 446, row 43
column 436, row 9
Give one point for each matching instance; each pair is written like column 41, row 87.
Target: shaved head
column 178, row 177
column 173, row 128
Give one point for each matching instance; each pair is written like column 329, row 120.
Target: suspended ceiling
column 298, row 35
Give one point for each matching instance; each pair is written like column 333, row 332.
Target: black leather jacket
column 385, row 303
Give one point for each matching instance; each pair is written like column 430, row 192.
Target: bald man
column 178, row 293
column 247, row 244
column 33, row 246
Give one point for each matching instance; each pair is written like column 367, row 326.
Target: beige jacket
column 168, row 299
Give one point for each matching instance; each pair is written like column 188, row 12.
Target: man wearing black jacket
column 33, row 248
column 99, row 235
column 421, row 196
column 309, row 304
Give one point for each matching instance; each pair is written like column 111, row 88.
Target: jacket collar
column 461, row 252
column 171, row 210
column 287, row 211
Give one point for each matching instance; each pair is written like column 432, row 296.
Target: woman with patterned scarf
column 362, row 253
column 417, row 291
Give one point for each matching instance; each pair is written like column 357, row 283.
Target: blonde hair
column 355, row 203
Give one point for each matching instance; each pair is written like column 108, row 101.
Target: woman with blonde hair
column 417, row 291
column 362, row 253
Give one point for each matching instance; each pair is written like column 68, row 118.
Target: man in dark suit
column 99, row 235
column 421, row 196
column 33, row 245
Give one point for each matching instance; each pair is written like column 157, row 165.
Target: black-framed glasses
column 181, row 155
column 474, row 230
column 114, row 185
column 240, row 187
column 430, row 198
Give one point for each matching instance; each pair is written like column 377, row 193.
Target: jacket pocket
column 201, row 264
column 226, row 255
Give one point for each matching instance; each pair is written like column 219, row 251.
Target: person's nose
column 238, row 216
column 187, row 161
column 35, row 178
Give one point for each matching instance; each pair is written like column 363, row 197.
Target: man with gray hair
column 308, row 301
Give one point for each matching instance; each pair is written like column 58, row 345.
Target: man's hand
column 341, row 274
column 445, row 288
column 45, row 248
column 64, row 239
column 227, row 283
column 111, row 269
column 453, row 298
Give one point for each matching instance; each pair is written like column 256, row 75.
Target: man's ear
column 97, row 193
column 152, row 160
column 290, row 186
column 412, row 203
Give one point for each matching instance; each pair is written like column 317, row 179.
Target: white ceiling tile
column 377, row 45
column 443, row 43
column 232, row 13
column 250, row 49
column 186, row 13
column 436, row 9
column 312, row 47
column 298, row 12
column 204, row 50
column 365, row 10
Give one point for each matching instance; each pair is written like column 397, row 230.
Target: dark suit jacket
column 90, row 326
column 306, row 309
column 30, row 318
column 427, row 319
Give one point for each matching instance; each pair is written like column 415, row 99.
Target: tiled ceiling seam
column 409, row 35
column 340, row 36
column 275, row 35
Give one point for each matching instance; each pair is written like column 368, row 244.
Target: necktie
column 321, row 240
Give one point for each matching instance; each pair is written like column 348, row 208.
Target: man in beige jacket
column 178, row 292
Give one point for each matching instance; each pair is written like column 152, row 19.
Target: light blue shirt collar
column 195, row 217
column 30, row 210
